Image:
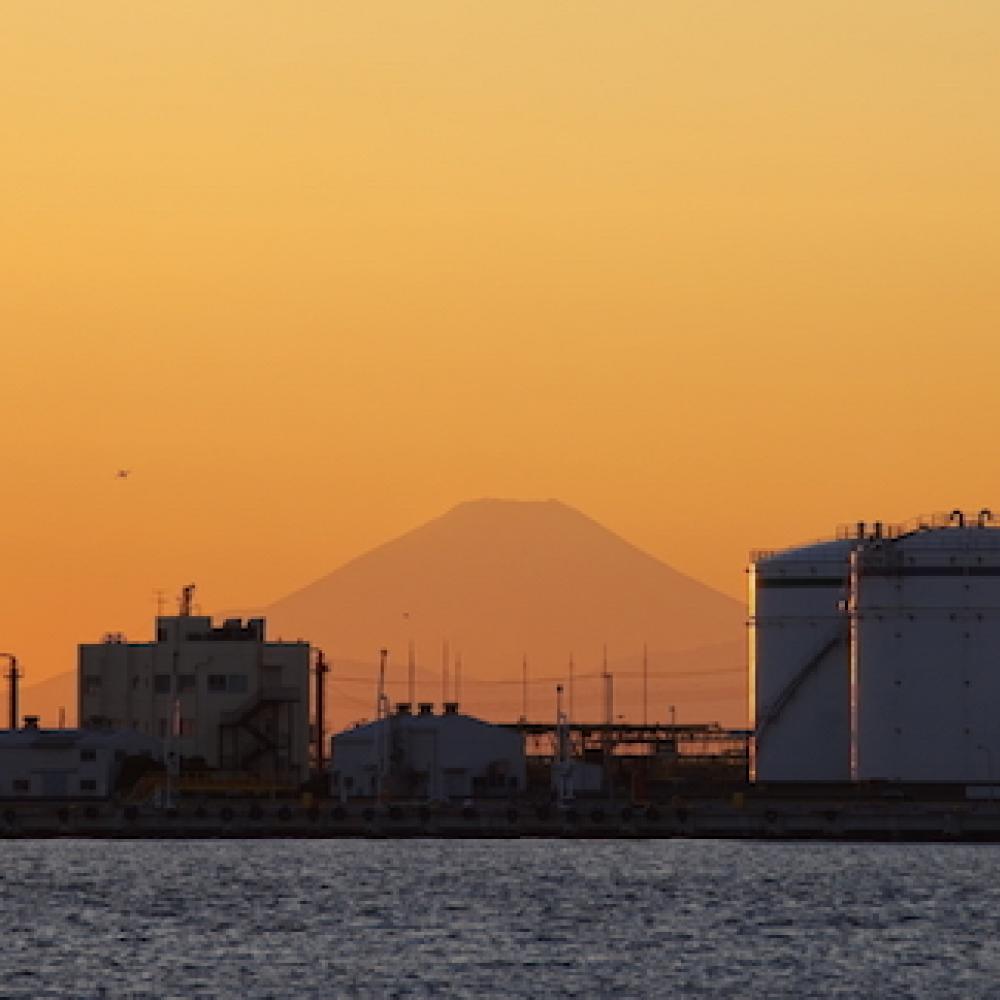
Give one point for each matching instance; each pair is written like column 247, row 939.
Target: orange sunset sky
column 719, row 274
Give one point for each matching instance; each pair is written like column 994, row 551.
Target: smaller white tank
column 800, row 663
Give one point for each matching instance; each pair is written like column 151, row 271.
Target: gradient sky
column 719, row 274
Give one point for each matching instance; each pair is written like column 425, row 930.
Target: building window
column 161, row 683
column 162, row 728
column 22, row 785
column 185, row 682
column 88, row 755
column 135, row 683
column 236, row 683
column 217, row 683
column 91, row 684
column 88, row 785
column 187, row 727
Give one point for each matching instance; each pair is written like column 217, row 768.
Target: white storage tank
column 799, row 662
column 926, row 654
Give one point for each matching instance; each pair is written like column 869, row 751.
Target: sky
column 721, row 275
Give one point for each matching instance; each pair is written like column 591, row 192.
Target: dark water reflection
column 497, row 919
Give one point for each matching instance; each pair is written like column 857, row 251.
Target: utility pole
column 322, row 669
column 571, row 668
column 609, row 718
column 645, row 685
column 524, row 687
column 13, row 676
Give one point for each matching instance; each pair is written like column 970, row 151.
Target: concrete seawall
column 778, row 820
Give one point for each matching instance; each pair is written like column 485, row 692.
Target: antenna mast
column 411, row 686
column 445, row 657
column 380, row 708
column 13, row 676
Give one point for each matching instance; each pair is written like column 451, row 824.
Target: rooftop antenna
column 445, row 658
column 383, row 656
column 411, row 667
column 458, row 677
column 160, row 602
column 13, row 676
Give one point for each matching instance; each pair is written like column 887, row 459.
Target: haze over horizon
column 722, row 276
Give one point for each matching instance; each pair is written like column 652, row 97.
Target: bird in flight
column 122, row 473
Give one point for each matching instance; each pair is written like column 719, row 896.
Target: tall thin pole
column 13, row 676
column 322, row 669
column 458, row 678
column 571, row 669
column 383, row 655
column 645, row 685
column 411, row 686
column 445, row 658
column 524, row 687
column 607, row 687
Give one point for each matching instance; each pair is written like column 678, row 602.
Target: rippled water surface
column 542, row 918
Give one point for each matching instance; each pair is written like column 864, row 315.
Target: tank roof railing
column 863, row 531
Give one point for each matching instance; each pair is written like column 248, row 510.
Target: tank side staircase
column 789, row 691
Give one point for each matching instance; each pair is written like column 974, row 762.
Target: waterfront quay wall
column 771, row 819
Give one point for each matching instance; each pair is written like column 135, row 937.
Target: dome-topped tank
column 799, row 663
column 926, row 662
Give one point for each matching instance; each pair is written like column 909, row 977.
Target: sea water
column 521, row 918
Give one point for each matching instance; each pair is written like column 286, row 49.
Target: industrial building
column 875, row 656
column 67, row 763
column 427, row 756
column 220, row 697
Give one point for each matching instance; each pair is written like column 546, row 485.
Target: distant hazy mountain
column 502, row 579
column 499, row 580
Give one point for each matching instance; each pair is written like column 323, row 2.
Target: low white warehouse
column 427, row 756
column 876, row 656
column 67, row 763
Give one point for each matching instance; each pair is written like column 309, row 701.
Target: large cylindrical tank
column 799, row 663
column 926, row 655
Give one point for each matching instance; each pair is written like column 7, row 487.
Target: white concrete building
column 877, row 656
column 67, row 763
column 427, row 756
column 220, row 696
